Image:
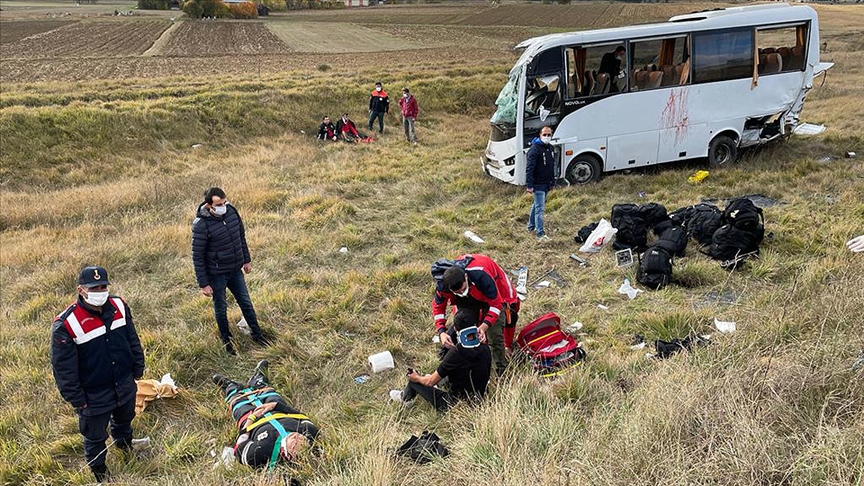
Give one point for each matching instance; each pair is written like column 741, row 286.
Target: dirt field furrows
column 204, row 39
column 86, row 39
column 15, row 30
column 457, row 35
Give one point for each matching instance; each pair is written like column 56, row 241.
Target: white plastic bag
column 599, row 238
column 628, row 289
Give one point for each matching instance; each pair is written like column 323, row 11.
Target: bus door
column 544, row 93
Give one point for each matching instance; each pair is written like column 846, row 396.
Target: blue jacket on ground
column 218, row 244
column 540, row 170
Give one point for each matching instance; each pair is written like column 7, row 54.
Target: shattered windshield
column 507, row 100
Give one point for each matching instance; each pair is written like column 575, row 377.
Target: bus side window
column 658, row 63
column 723, row 55
column 544, row 90
column 597, row 70
column 782, row 49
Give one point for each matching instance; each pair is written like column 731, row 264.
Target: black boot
column 259, row 376
column 261, row 340
column 221, row 381
column 101, row 473
column 229, row 348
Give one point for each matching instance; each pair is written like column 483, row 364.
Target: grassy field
column 102, row 170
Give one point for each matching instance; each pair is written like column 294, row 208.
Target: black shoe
column 259, row 376
column 261, row 340
column 229, row 348
column 221, row 381
column 261, row 367
column 101, row 473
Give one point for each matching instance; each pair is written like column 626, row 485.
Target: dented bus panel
column 699, row 85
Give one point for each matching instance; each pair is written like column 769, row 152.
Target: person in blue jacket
column 539, row 179
column 96, row 357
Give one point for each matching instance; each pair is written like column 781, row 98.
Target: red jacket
column 409, row 106
column 488, row 284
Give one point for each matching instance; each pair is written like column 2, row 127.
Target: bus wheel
column 583, row 169
column 722, row 151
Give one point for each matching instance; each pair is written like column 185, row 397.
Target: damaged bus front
column 701, row 85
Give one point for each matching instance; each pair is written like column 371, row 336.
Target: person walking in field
column 221, row 256
column 539, row 179
column 96, row 357
column 409, row 108
column 379, row 104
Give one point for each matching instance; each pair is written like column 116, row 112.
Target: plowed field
column 223, row 38
column 98, row 38
column 13, row 31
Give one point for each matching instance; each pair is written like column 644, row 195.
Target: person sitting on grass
column 269, row 430
column 347, row 130
column 467, row 365
column 327, row 130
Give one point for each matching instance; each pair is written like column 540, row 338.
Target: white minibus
column 700, row 85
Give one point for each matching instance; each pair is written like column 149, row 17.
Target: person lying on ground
column 327, row 130
column 477, row 286
column 467, row 365
column 269, row 430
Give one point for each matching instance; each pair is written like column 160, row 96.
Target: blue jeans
column 380, row 116
column 234, row 282
column 535, row 218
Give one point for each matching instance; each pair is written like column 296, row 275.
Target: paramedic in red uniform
column 96, row 357
column 477, row 285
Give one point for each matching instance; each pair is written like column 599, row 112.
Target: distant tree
column 153, row 4
column 193, row 9
column 275, row 5
column 245, row 10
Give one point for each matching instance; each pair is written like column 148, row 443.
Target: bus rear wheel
column 722, row 151
column 583, row 169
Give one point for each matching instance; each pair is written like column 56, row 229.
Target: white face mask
column 463, row 293
column 405, row 95
column 378, row 88
column 547, row 139
column 220, row 210
column 96, row 299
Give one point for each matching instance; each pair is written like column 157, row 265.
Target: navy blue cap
column 93, row 277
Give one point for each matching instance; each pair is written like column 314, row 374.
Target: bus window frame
column 593, row 97
column 694, row 51
column 688, row 45
column 784, row 25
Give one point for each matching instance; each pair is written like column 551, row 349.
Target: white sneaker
column 396, row 396
column 544, row 238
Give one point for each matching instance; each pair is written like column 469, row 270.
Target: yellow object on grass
column 149, row 390
column 698, row 176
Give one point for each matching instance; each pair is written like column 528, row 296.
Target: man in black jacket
column 610, row 64
column 96, row 357
column 379, row 104
column 539, row 179
column 220, row 255
column 327, row 130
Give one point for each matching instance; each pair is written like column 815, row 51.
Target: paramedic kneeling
column 96, row 357
column 269, row 430
column 467, row 365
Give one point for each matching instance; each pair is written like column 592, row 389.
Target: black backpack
column 632, row 231
column 653, row 213
column 743, row 214
column 583, row 234
column 441, row 265
column 702, row 221
column 423, row 449
column 655, row 268
column 674, row 239
column 730, row 242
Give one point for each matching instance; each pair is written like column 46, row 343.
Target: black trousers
column 439, row 399
column 95, row 431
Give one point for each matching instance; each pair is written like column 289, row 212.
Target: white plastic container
column 381, row 362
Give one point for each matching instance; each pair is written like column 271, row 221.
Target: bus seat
column 639, row 79
column 679, row 73
column 588, row 84
column 669, row 77
column 763, row 61
column 796, row 60
column 769, row 50
column 603, row 84
column 773, row 63
column 654, row 79
column 786, row 54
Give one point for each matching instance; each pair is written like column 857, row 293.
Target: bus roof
column 720, row 18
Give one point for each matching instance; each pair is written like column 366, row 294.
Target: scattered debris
column 582, row 262
column 343, row 250
column 859, row 363
column 808, row 129
column 149, row 390
column 666, row 349
column 850, row 155
column 698, row 176
column 599, row 238
column 638, row 346
column 436, row 339
column 628, row 289
column 521, row 296
column 244, row 327
column 572, row 328
column 547, row 279
column 422, row 449
column 141, row 444
column 396, row 395
column 602, row 307
column 832, row 198
column 856, row 245
column 721, row 297
column 381, row 362
column 624, row 258
column 522, row 280
column 542, row 285
column 197, row 145
column 825, row 159
column 359, row 380
column 227, row 456
column 726, row 327
column 473, row 237
column 642, row 194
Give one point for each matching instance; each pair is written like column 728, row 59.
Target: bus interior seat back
column 796, row 60
column 773, row 63
column 763, row 62
column 588, row 85
column 602, row 85
column 769, row 50
column 640, row 79
column 786, row 54
column 654, row 79
column 669, row 76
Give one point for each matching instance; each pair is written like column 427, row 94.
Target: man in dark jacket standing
column 221, row 255
column 96, row 357
column 539, row 178
column 379, row 104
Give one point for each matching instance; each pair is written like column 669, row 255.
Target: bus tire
column 583, row 169
column 722, row 151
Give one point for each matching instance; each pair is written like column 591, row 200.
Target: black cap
column 93, row 277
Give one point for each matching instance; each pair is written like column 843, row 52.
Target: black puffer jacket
column 218, row 244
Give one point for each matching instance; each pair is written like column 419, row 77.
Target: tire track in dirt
column 162, row 41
